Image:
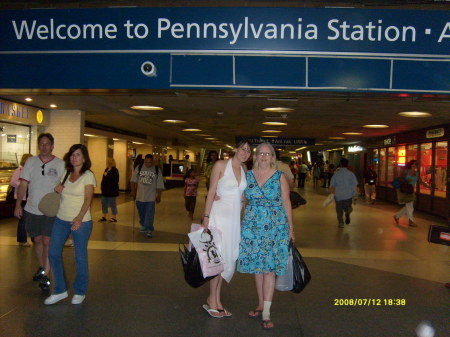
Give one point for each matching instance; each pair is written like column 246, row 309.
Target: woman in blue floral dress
column 266, row 229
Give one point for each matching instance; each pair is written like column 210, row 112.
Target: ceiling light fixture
column 138, row 143
column 191, row 130
column 375, row 126
column 28, row 99
column 277, row 109
column 414, row 114
column 174, row 121
column 352, row 133
column 211, row 138
column 336, row 138
column 116, row 139
column 269, row 136
column 300, row 148
column 89, row 135
column 202, row 135
column 273, row 131
column 146, row 107
column 274, row 123
column 53, row 106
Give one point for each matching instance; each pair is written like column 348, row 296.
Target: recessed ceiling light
column 336, row 138
column 175, row 121
column 211, row 138
column 274, row 123
column 28, row 99
column 191, row 130
column 269, row 136
column 273, row 131
column 138, row 143
column 278, row 109
column 414, row 114
column 53, row 106
column 115, row 138
column 146, row 107
column 352, row 133
column 375, row 126
column 89, row 135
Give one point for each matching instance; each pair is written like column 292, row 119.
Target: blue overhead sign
column 318, row 30
column 226, row 48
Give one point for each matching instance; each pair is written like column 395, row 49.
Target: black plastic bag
column 296, row 199
column 302, row 275
column 10, row 195
column 191, row 267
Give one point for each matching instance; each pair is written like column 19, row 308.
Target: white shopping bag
column 328, row 200
column 207, row 244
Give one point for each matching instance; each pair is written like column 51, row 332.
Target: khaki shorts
column 37, row 225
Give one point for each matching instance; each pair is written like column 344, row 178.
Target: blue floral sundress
column 265, row 228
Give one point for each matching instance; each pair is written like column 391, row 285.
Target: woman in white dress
column 228, row 183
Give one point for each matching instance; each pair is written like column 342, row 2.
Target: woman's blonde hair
column 273, row 163
column 25, row 158
column 110, row 162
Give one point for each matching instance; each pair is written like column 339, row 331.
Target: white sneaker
column 78, row 299
column 55, row 298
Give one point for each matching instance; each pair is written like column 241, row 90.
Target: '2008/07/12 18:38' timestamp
column 369, row 302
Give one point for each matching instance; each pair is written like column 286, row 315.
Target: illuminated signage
column 435, row 133
column 355, row 148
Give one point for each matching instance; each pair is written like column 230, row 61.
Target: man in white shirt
column 39, row 176
column 283, row 167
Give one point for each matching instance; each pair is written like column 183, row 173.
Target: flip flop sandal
column 256, row 314
column 212, row 312
column 225, row 312
column 265, row 324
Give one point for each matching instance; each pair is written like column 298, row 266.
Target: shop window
column 411, row 153
column 382, row 175
column 440, row 173
column 401, row 157
column 391, row 163
column 425, row 166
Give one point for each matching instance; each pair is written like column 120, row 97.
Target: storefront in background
column 18, row 125
column 430, row 148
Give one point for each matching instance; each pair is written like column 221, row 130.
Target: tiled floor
column 137, row 287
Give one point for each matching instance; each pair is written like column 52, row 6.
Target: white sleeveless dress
column 226, row 216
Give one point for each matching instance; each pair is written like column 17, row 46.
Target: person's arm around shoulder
column 216, row 174
column 88, row 195
column 285, row 191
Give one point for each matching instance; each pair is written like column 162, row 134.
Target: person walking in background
column 302, row 172
column 370, row 182
column 325, row 169
column 186, row 164
column 315, row 174
column 190, row 192
column 329, row 175
column 15, row 182
column 73, row 218
column 213, row 156
column 228, row 182
column 344, row 187
column 293, row 171
column 411, row 177
column 137, row 161
column 285, row 169
column 146, row 187
column 110, row 190
column 39, row 176
column 266, row 229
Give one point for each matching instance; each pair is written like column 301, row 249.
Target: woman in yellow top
column 74, row 218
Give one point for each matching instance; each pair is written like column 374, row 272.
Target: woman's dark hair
column 411, row 163
column 137, row 161
column 243, row 141
column 208, row 159
column 188, row 173
column 87, row 161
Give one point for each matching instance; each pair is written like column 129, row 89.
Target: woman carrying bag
column 73, row 218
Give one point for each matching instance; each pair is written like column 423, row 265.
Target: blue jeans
column 111, row 202
column 146, row 212
column 60, row 233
